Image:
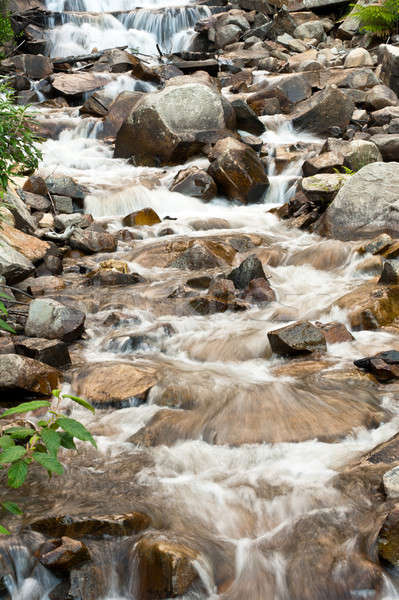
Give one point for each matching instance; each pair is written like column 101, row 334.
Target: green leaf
column 19, row 433
column 17, row 474
column 4, row 531
column 80, row 401
column 12, row 508
column 51, row 439
column 49, row 462
column 6, row 442
column 3, row 308
column 25, row 407
column 5, row 296
column 76, row 429
column 6, row 327
column 56, row 393
column 12, row 454
column 67, row 441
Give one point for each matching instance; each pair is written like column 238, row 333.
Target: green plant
column 378, row 19
column 4, row 326
column 18, row 144
column 6, row 31
column 24, row 442
column 345, row 171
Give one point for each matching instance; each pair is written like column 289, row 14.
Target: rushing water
column 253, row 468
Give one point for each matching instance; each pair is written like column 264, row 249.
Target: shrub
column 19, row 152
column 24, row 443
column 379, row 19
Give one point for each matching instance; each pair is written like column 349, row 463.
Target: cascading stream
column 253, row 466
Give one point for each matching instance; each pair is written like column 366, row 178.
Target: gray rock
column 299, row 338
column 381, row 96
column 196, row 257
column 324, row 110
column 322, row 188
column 360, row 209
column 251, row 268
column 90, row 241
column 194, row 182
column 390, row 272
column 63, row 204
column 360, row 153
column 20, row 212
column 51, row 352
column 50, row 319
column 384, row 115
column 247, row 119
column 388, row 145
column 309, row 30
column 358, row 57
column 165, row 127
column 62, row 221
column 390, row 66
column 13, row 265
column 21, row 374
column 390, row 481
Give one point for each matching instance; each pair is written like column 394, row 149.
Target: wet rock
column 209, row 305
column 196, row 257
column 238, row 172
column 208, row 224
column 97, row 104
column 51, row 352
column 126, row 384
column 388, row 145
column 388, row 539
column 164, row 127
column 199, row 283
column 391, row 483
column 19, row 374
column 194, row 182
column 258, row 291
column 64, row 554
column 33, row 66
column 378, row 245
column 381, row 96
column 324, row 110
column 299, row 338
column 6, row 343
column 359, row 210
column 145, row 216
column 110, row 277
column 222, row 288
column 384, row 365
column 50, row 319
column 247, row 118
column 390, row 67
column 97, row 526
column 118, row 111
column 370, row 306
column 90, row 241
column 390, row 272
column 166, row 568
column 335, row 332
column 63, row 204
column 250, row 268
column 384, row 116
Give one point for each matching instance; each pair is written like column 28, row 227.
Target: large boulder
column 388, row 145
column 19, row 374
column 50, row 319
column 238, row 171
column 360, row 209
column 168, row 126
column 326, row 109
column 390, row 67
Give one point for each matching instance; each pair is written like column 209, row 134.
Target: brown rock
column 238, row 171
column 51, row 352
column 29, row 246
column 65, row 554
column 45, row 285
column 75, row 526
column 21, row 374
column 118, row 112
column 35, row 185
column 165, row 568
column 335, row 333
column 125, row 383
column 196, row 257
column 371, row 306
column 259, row 291
column 194, row 182
column 325, row 109
column 145, row 216
column 33, row 66
column 388, row 539
column 73, row 84
column 90, row 241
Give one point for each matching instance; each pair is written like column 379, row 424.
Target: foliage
column 6, row 32
column 24, row 442
column 379, row 19
column 4, row 326
column 18, row 149
column 345, row 171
